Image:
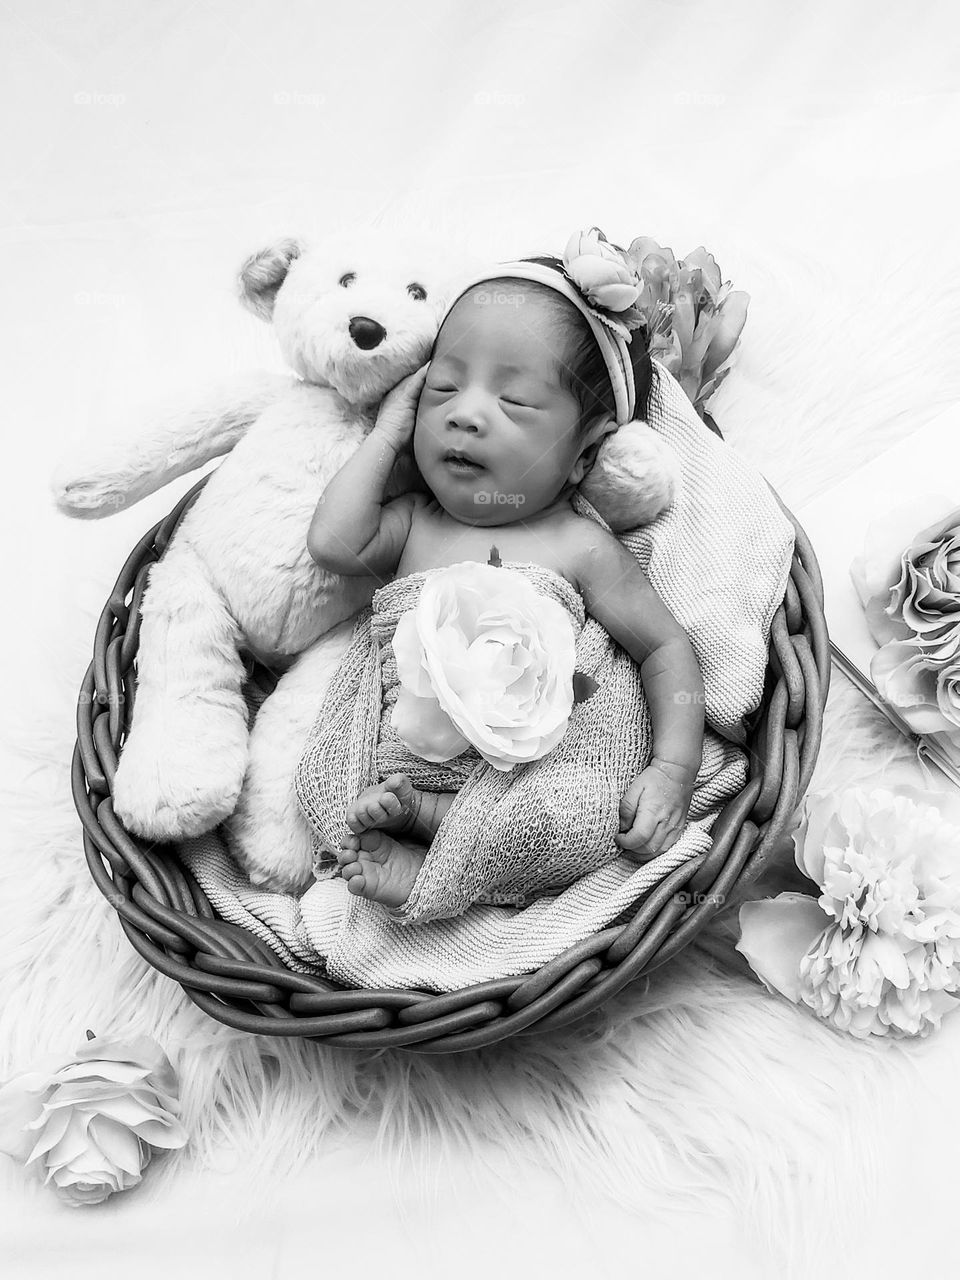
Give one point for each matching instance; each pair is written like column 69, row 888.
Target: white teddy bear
column 353, row 317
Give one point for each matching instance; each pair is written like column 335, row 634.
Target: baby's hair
column 581, row 368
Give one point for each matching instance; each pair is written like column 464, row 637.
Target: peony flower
column 878, row 953
column 484, row 659
column 909, row 585
column 693, row 319
column 89, row 1125
column 602, row 272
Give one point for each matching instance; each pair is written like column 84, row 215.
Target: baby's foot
column 391, row 805
column 377, row 867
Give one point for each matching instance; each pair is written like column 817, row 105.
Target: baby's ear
column 592, row 440
column 263, row 273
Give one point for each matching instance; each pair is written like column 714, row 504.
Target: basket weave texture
column 237, row 979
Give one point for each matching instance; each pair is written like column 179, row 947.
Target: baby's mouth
column 457, row 460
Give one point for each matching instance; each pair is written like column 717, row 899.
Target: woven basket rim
column 234, row 977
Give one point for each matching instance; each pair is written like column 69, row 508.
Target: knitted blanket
column 508, row 836
column 719, row 557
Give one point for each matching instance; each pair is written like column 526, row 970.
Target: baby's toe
column 348, row 853
column 375, row 842
column 358, row 816
column 399, row 784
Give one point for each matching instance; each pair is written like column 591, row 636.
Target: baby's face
column 492, row 394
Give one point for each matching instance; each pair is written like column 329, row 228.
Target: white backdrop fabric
column 150, row 146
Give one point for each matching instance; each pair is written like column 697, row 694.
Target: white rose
column 484, row 660
column 89, row 1126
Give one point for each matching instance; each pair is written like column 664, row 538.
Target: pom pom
column 635, row 477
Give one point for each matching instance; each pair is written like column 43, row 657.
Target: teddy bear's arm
column 98, row 478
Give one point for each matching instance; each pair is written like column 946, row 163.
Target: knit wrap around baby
column 508, row 837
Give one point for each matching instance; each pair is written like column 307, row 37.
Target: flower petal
column 426, row 728
column 21, row 1104
column 908, row 682
column 775, row 934
column 878, row 568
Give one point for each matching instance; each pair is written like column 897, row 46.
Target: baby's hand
column 653, row 811
column 397, row 414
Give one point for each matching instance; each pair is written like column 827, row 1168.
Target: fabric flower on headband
column 606, row 277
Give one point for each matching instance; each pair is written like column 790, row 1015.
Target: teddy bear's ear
column 263, row 274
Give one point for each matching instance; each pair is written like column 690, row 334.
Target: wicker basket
column 237, row 979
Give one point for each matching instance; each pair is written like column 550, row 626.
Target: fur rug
column 691, row 1086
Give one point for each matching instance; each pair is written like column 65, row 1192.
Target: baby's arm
column 353, row 531
column 618, row 594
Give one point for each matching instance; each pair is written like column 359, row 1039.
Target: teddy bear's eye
column 417, row 291
column 346, row 280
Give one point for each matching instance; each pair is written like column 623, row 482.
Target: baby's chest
column 436, row 542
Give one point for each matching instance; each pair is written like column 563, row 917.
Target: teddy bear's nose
column 366, row 333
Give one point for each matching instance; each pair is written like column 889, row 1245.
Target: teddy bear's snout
column 366, row 333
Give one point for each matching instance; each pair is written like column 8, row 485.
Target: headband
column 603, row 285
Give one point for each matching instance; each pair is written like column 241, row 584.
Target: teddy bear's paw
column 275, row 882
column 275, row 848
column 86, row 497
column 168, row 786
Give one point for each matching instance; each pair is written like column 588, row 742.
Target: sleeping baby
column 529, row 372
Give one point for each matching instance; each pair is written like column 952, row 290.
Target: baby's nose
column 467, row 412
column 463, row 422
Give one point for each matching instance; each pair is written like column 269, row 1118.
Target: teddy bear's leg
column 267, row 833
column 182, row 765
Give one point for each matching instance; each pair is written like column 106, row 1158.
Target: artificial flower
column 878, row 953
column 909, row 586
column 483, row 659
column 693, row 319
column 89, row 1125
column 605, row 276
